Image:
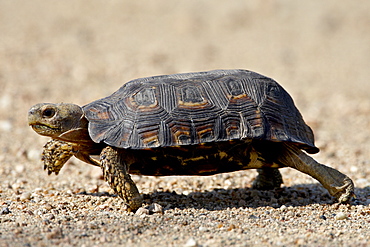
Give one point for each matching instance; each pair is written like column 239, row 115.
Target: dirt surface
column 78, row 51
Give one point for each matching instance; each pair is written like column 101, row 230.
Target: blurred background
column 78, row 51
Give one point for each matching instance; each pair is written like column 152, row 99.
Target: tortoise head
column 61, row 121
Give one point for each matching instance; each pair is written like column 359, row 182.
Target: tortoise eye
column 48, row 112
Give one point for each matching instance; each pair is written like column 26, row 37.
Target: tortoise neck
column 79, row 134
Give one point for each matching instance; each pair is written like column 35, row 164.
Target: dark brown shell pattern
column 195, row 108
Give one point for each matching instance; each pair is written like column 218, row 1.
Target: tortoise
column 199, row 123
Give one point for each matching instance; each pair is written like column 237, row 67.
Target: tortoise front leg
column 339, row 185
column 55, row 154
column 115, row 172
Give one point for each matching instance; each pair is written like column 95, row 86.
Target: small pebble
column 142, row 211
column 231, row 227
column 49, row 216
column 341, row 216
column 282, row 208
column 5, row 210
column 19, row 168
column 203, row 229
column 323, row 217
column 25, row 196
column 56, row 233
column 102, row 207
column 48, row 207
column 103, row 239
column 155, row 208
column 191, row 243
column 252, row 216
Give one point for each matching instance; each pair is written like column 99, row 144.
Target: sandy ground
column 78, row 51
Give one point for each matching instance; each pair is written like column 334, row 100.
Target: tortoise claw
column 55, row 154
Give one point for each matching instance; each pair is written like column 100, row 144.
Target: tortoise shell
column 197, row 108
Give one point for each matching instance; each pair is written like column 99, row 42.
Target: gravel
column 69, row 51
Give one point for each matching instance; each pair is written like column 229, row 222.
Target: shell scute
column 145, row 97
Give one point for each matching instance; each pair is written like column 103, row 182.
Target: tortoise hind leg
column 339, row 185
column 115, row 172
column 267, row 179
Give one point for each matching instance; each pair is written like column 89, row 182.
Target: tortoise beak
column 33, row 116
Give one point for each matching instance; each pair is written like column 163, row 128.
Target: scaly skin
column 339, row 185
column 267, row 179
column 55, row 154
column 115, row 172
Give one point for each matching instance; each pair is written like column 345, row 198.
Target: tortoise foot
column 55, row 154
column 267, row 179
column 345, row 192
